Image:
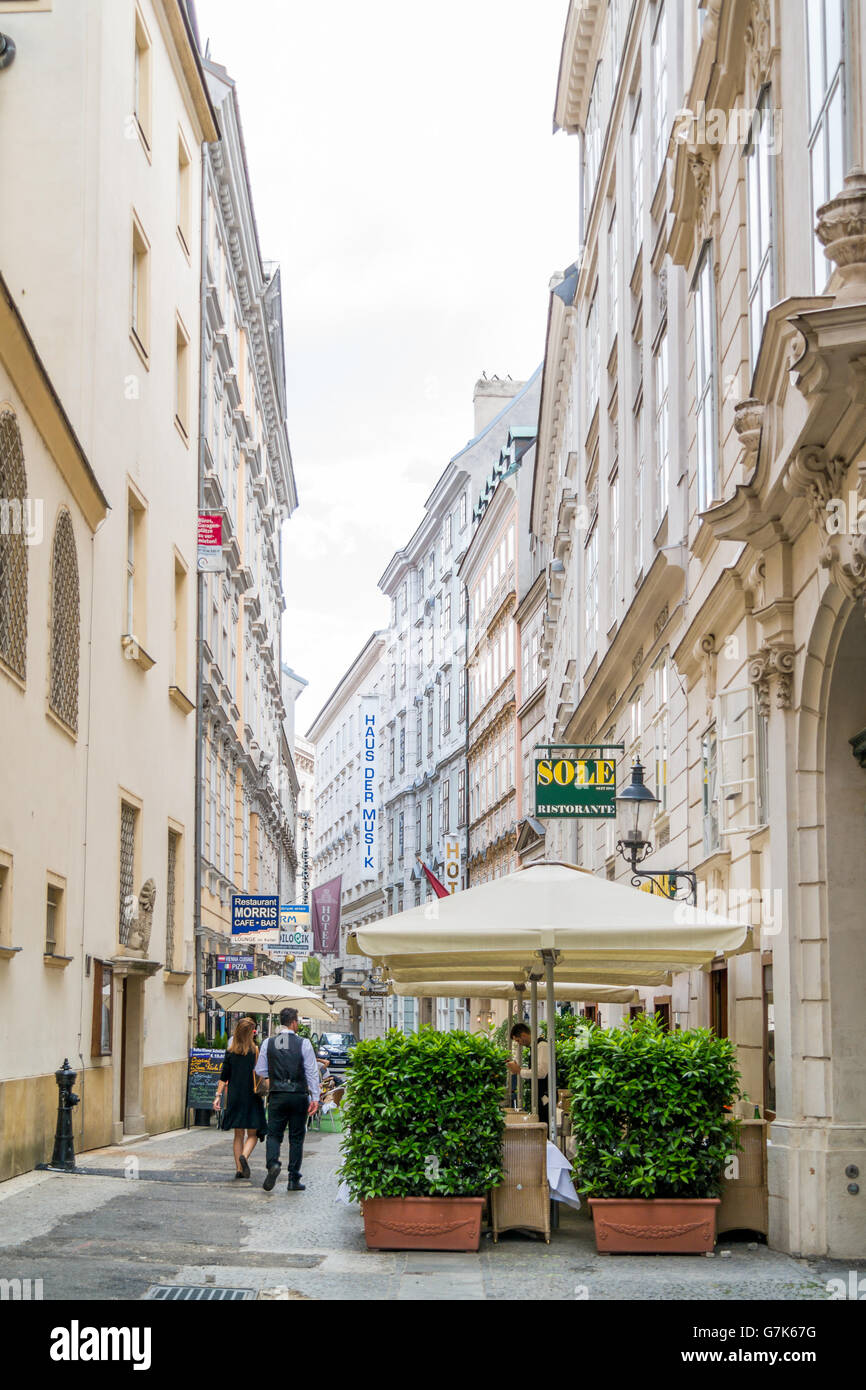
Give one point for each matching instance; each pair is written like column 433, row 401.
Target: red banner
column 438, row 888
column 325, row 917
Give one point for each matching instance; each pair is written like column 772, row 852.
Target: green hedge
column 647, row 1110
column 424, row 1116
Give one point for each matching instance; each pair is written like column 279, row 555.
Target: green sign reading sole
column 568, row 786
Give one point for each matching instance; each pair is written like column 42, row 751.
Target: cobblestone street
column 100, row 1234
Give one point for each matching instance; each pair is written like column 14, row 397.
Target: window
column 401, row 823
column 179, row 671
column 446, row 613
column 825, row 45
column 5, row 899
column 660, row 93
column 662, row 459
column 419, row 737
column 613, row 551
column 710, row 791
column 590, row 594
column 431, row 569
column 181, row 380
column 63, row 686
column 635, row 720
column 464, row 509
column 429, row 821
column 171, row 887
column 636, row 180
column 742, row 740
column 393, row 681
column 705, row 355
column 592, row 357
column 140, row 290
column 613, row 274
column 184, row 219
column 391, row 757
column 402, row 666
column 103, row 1010
column 461, row 797
column 141, row 80
column 592, row 139
column 661, row 729
column 129, row 817
column 461, row 699
column 445, row 801
column 759, row 190
column 55, row 916
column 418, row 826
column 135, row 568
column 429, row 726
column 391, row 840
column 402, row 747
column 446, row 534
column 404, row 596
column 638, row 489
column 13, row 547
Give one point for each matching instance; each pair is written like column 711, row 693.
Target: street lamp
column 636, row 807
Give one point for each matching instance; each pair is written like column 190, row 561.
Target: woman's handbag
column 261, row 1085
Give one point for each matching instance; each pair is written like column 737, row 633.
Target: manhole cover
column 197, row 1292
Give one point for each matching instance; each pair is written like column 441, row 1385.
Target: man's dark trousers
column 287, row 1108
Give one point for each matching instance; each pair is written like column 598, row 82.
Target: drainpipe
column 466, row 789
column 199, row 632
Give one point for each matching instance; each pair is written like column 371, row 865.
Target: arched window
column 13, row 547
column 63, row 690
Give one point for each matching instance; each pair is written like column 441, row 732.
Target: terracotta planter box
column 422, row 1223
column 657, row 1226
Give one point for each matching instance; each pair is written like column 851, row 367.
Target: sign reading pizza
column 574, row 786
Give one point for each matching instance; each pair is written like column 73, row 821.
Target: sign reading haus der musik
column 571, row 784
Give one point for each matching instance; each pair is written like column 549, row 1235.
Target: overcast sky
column 406, row 177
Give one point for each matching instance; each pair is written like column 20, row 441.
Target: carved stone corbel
column 758, row 43
column 772, row 665
column 707, row 656
column 748, row 420
column 820, row 480
column 841, row 230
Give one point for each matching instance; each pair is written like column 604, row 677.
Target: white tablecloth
column 559, row 1177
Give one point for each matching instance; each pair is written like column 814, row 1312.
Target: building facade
column 425, row 767
column 248, row 780
column 702, row 415
column 346, row 831
column 98, row 905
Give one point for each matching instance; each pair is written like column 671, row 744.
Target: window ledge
column 9, row 952
column 56, row 962
column 140, row 348
column 134, row 651
column 61, row 724
column 183, row 702
column 177, row 977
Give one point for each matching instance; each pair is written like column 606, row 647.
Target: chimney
column 489, row 397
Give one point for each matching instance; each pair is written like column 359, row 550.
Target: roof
column 509, row 405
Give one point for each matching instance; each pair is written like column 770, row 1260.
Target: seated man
column 521, row 1034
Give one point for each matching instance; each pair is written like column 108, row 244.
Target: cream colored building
column 249, row 784
column 703, row 412
column 102, row 115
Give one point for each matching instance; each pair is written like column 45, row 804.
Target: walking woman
column 244, row 1111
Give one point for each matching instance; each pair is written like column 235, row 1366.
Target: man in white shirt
column 290, row 1065
column 521, row 1034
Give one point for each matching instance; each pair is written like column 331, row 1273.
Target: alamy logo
column 22, row 518
column 20, row 1290
column 76, row 1343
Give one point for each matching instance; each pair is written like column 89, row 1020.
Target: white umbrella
column 272, row 991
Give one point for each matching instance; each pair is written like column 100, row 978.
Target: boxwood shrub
column 648, row 1110
column 422, row 1116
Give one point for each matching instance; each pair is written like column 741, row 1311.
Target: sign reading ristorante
column 570, row 784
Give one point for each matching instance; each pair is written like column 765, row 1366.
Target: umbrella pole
column 533, row 1028
column 509, row 1085
column 551, row 1044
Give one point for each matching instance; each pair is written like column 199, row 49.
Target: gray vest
column 286, row 1064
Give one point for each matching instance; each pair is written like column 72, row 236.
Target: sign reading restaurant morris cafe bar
column 575, row 781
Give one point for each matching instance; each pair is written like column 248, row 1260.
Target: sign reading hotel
column 211, row 559
column 255, row 919
column 451, row 871
column 369, row 731
column 570, row 786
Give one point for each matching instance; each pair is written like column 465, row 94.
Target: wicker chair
column 522, row 1201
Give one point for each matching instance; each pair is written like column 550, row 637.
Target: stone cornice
column 583, row 30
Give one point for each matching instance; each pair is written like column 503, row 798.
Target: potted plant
column 422, row 1139
column 651, row 1134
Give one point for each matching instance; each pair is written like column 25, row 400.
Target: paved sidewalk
column 167, row 1211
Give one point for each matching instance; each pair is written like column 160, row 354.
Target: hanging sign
column 368, row 729
column 211, row 559
column 451, row 870
column 568, row 784
column 244, row 963
column 255, row 919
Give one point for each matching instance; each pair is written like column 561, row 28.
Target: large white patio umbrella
column 551, row 918
column 273, row 992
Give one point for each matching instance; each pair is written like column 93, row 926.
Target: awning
column 504, row 989
column 409, row 969
column 587, row 922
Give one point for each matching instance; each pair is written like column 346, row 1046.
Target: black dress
column 243, row 1109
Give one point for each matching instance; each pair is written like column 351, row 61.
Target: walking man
column 290, row 1065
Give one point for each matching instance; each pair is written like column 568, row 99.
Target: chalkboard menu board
column 203, row 1077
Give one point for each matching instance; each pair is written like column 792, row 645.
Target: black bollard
column 64, row 1146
